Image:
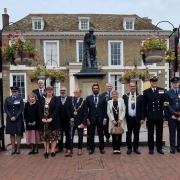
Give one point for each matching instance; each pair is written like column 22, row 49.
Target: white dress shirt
column 132, row 112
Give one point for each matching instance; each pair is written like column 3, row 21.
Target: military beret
column 14, row 88
column 175, row 79
column 153, row 78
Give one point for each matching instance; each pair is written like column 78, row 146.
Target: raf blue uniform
column 14, row 106
column 173, row 99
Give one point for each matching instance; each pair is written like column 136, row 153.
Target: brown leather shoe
column 80, row 152
column 68, row 153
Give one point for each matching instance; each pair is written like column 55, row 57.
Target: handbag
column 117, row 130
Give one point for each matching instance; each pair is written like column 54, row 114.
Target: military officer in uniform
column 14, row 107
column 154, row 98
column 172, row 105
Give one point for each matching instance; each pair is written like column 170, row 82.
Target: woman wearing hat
column 49, row 123
column 14, row 107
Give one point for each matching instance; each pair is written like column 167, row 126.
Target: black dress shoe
column 31, row 152
column 178, row 150
column 18, row 151
column 53, row 154
column 137, row 151
column 91, row 151
column 102, row 151
column 46, row 155
column 129, row 151
column 172, row 151
column 160, row 151
column 151, row 152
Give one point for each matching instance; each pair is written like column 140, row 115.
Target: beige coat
column 122, row 110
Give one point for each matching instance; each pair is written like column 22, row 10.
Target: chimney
column 147, row 19
column 5, row 18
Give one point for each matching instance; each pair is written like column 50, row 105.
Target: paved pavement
column 91, row 167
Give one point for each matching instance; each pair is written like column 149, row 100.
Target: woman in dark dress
column 49, row 123
column 13, row 108
column 31, row 117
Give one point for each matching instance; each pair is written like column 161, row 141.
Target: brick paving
column 90, row 167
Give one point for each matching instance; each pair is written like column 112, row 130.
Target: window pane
column 84, row 24
column 51, row 54
column 18, row 80
column 80, row 51
column 114, row 80
column 115, row 53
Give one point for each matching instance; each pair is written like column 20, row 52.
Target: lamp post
column 175, row 32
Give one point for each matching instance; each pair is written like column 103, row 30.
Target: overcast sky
column 157, row 10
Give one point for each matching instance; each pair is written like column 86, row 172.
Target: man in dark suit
column 65, row 117
column 40, row 90
column 154, row 98
column 108, row 96
column 134, row 117
column 95, row 114
column 78, row 110
column 172, row 110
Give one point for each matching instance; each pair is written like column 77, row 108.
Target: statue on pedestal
column 89, row 61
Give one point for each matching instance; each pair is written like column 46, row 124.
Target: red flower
column 9, row 35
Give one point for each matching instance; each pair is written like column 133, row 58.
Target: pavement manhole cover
column 90, row 164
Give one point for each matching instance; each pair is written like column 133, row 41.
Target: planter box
column 23, row 61
column 154, row 56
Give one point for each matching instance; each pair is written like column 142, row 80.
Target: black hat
column 153, row 78
column 14, row 88
column 175, row 79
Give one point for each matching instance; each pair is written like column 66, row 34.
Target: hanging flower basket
column 153, row 50
column 154, row 55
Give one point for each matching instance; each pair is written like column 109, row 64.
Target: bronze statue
column 89, row 60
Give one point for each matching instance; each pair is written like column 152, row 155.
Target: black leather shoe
column 31, row 152
column 151, row 152
column 53, row 154
column 178, row 150
column 172, row 151
column 129, row 151
column 91, row 151
column 160, row 151
column 137, row 151
column 102, row 151
column 46, row 155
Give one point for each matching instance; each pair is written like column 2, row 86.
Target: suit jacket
column 154, row 103
column 139, row 106
column 122, row 110
column 106, row 95
column 80, row 109
column 92, row 113
column 65, row 111
column 53, row 113
column 36, row 91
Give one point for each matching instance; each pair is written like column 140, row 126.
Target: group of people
column 49, row 118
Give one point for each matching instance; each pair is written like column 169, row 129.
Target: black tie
column 95, row 99
column 109, row 95
column 133, row 104
column 75, row 101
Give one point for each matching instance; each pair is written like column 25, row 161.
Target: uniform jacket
column 174, row 102
column 139, row 106
column 154, row 103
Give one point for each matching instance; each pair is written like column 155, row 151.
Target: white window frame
column 77, row 49
column 128, row 20
column 109, row 53
column 35, row 19
column 25, row 82
column 44, row 48
column 80, row 25
column 109, row 80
